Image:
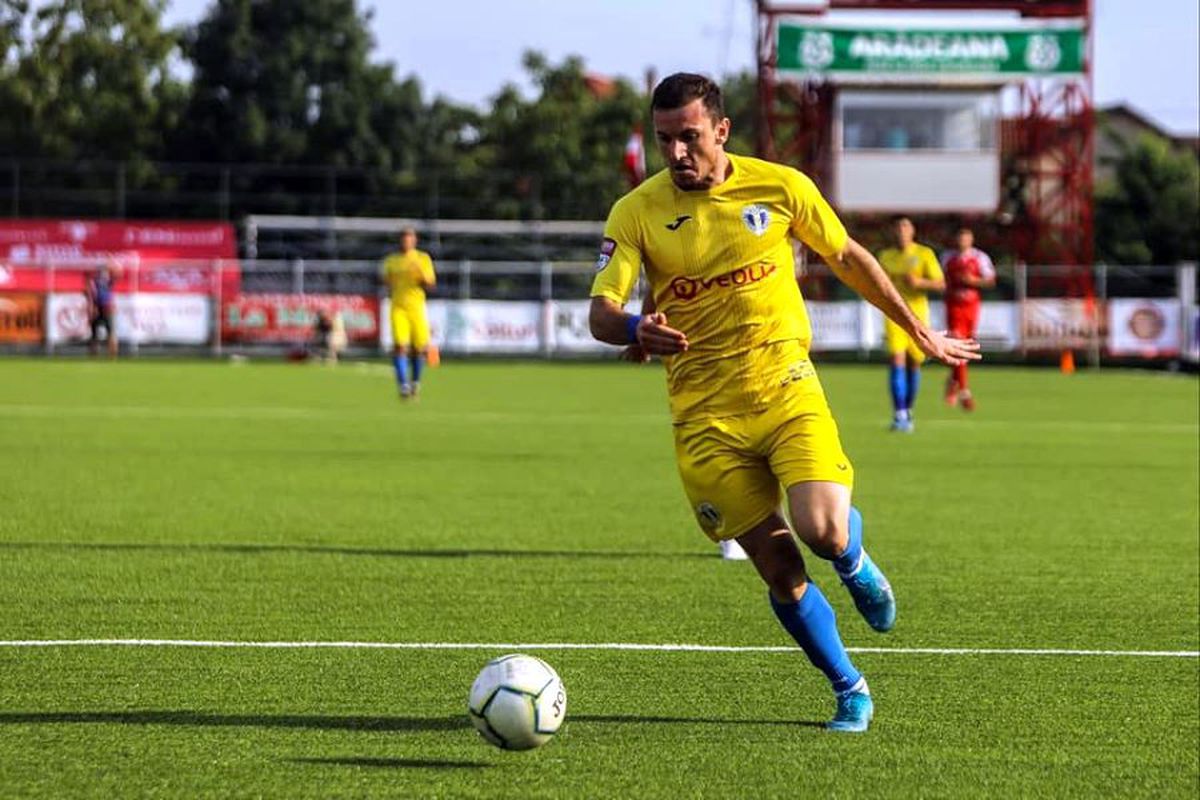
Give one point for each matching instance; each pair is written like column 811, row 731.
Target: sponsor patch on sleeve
column 607, row 248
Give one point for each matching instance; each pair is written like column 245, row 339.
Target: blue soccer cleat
column 855, row 710
column 872, row 594
column 903, row 426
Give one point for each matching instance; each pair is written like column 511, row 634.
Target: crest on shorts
column 757, row 218
column 710, row 519
column 607, row 248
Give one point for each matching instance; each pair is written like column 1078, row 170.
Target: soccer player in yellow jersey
column 409, row 275
column 915, row 271
column 751, row 423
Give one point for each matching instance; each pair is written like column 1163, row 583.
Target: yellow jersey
column 919, row 261
column 720, row 265
column 406, row 275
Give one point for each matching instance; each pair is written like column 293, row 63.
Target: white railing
column 540, row 308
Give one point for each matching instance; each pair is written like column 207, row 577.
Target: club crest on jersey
column 607, row 248
column 709, row 518
column 757, row 219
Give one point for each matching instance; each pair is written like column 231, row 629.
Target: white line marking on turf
column 637, row 646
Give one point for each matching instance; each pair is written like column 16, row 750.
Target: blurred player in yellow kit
column 752, row 427
column 915, row 271
column 409, row 275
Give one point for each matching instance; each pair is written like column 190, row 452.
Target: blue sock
column 898, row 380
column 417, row 363
column 401, row 365
column 914, row 383
column 847, row 562
column 812, row 623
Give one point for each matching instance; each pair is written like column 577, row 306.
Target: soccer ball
column 517, row 702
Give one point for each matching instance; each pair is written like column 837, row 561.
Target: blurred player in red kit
column 967, row 269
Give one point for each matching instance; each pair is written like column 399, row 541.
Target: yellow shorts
column 410, row 328
column 898, row 341
column 735, row 469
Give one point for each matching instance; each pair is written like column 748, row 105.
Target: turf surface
column 539, row 503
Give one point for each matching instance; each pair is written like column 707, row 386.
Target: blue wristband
column 631, row 326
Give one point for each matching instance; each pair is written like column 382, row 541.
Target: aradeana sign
column 933, row 53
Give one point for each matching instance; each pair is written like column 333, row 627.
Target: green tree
column 559, row 155
column 281, row 82
column 1149, row 213
column 86, row 79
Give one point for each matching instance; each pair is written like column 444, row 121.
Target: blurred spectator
column 100, row 296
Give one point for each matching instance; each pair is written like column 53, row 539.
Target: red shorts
column 962, row 319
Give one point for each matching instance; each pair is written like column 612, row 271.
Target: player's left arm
column 930, row 277
column 857, row 268
column 987, row 272
column 428, row 276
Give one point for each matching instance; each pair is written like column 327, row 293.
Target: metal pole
column 547, row 328
column 1185, row 291
column 1020, row 292
column 48, row 320
column 133, row 312
column 1099, row 309
column 218, row 306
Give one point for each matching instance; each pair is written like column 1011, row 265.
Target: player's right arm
column 617, row 269
column 857, row 268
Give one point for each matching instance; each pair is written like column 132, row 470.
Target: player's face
column 408, row 240
column 692, row 144
column 966, row 240
column 904, row 231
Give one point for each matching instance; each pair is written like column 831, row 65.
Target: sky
column 1147, row 51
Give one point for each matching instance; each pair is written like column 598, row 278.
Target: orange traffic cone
column 432, row 356
column 1067, row 363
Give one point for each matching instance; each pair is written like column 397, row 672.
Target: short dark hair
column 676, row 91
column 898, row 218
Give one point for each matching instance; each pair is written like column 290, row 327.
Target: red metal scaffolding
column 1046, row 149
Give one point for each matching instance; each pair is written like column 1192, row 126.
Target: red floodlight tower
column 1038, row 176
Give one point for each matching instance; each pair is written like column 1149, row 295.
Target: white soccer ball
column 517, row 702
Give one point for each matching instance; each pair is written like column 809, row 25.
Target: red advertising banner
column 293, row 317
column 154, row 257
column 21, row 318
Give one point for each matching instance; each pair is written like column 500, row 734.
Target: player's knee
column 821, row 531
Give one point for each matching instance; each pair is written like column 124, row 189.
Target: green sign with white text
column 930, row 53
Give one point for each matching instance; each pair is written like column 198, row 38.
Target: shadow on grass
column 256, row 549
column 206, row 720
column 346, row 723
column 392, row 763
column 633, row 719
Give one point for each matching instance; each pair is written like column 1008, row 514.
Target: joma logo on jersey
column 687, row 288
column 757, row 219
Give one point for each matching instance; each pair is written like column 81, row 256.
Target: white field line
column 282, row 413
column 635, row 646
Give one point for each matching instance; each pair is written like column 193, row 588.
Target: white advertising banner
column 1057, row 323
column 837, row 325
column 477, row 326
column 140, row 318
column 569, row 331
column 1144, row 327
column 999, row 326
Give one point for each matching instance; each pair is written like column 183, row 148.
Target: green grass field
column 529, row 503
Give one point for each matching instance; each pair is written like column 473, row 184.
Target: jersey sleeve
column 620, row 258
column 987, row 270
column 813, row 219
column 427, row 271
